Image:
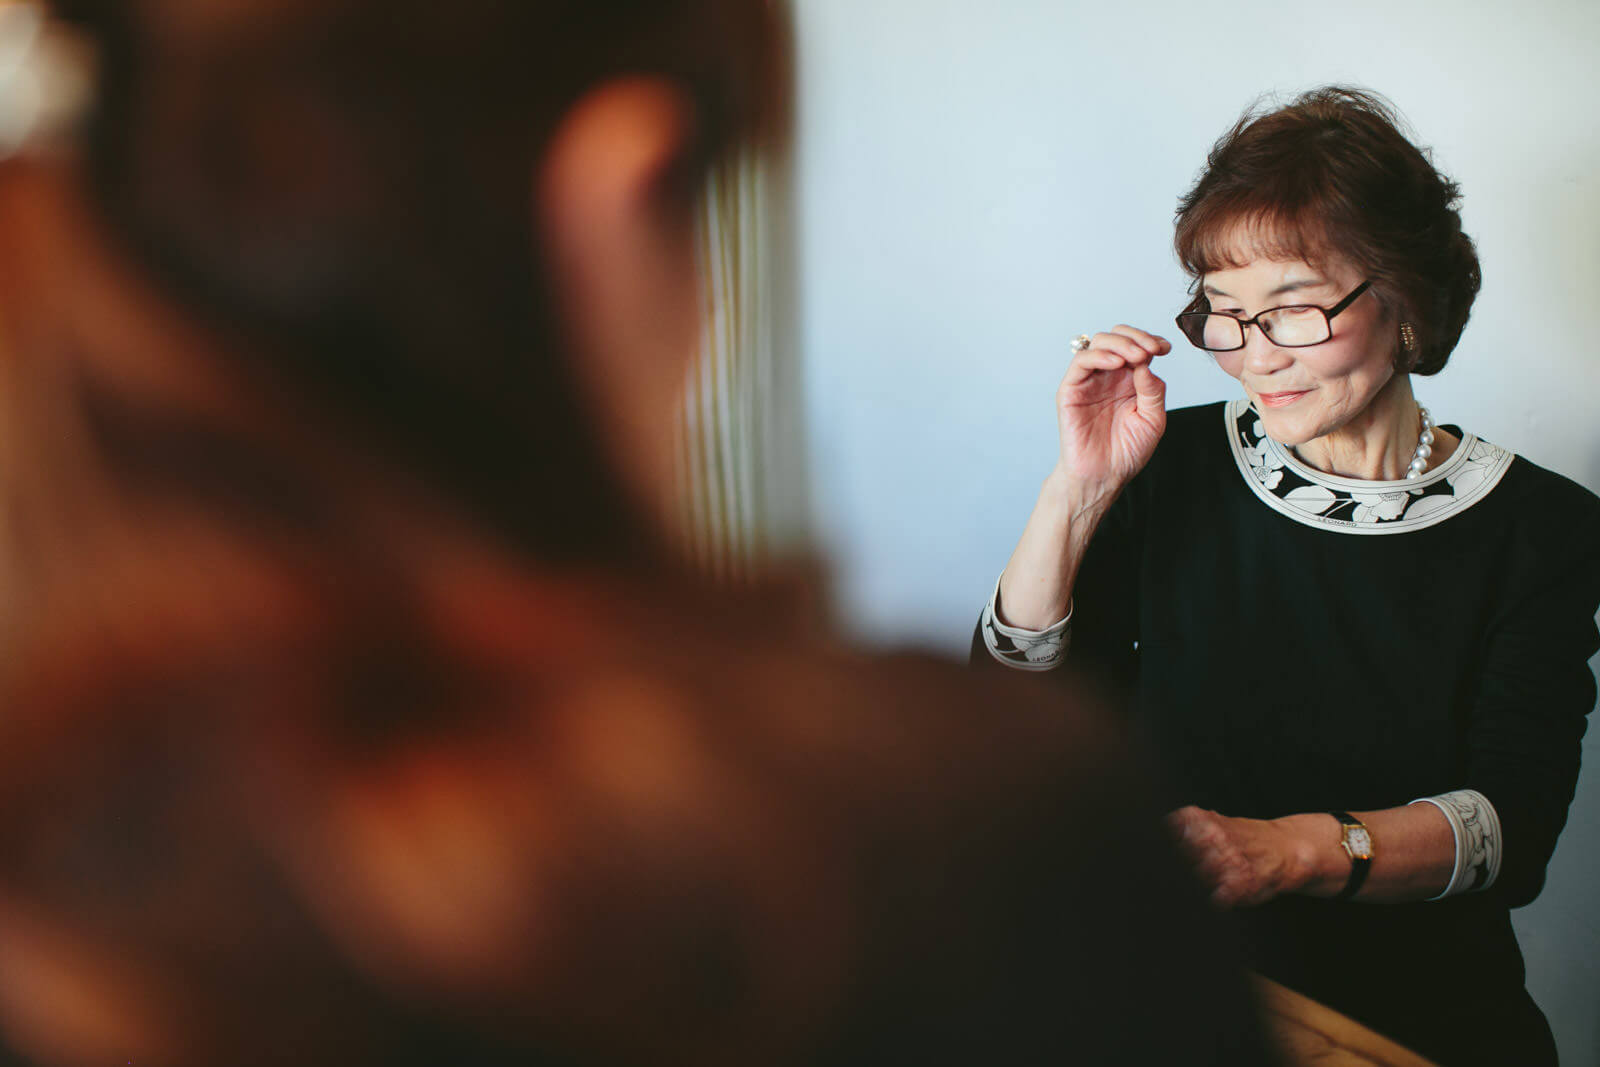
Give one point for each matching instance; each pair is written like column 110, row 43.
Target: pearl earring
column 1408, row 337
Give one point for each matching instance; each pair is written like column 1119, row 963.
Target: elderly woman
column 1358, row 635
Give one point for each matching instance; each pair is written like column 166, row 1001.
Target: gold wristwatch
column 1357, row 844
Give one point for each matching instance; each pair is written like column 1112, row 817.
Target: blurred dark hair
column 1332, row 174
column 346, row 185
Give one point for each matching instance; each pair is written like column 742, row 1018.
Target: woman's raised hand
column 1111, row 410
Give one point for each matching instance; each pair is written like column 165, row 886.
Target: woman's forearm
column 1246, row 862
column 1413, row 853
column 1036, row 589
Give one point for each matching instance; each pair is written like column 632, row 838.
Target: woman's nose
column 1261, row 356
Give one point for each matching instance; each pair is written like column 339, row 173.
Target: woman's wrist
column 1036, row 587
column 1317, row 864
column 1081, row 503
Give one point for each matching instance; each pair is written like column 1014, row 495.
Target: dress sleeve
column 1525, row 737
column 1100, row 633
column 1020, row 648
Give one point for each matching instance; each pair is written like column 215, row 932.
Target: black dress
column 1294, row 642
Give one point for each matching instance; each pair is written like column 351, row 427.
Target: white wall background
column 977, row 181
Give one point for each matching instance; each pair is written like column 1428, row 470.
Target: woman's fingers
column 1201, row 836
column 1122, row 346
column 1155, row 344
column 1150, row 389
column 1101, row 359
column 1239, row 860
column 1190, row 825
column 1087, row 364
column 1130, row 349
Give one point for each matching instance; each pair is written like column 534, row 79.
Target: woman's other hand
column 1243, row 862
column 1111, row 411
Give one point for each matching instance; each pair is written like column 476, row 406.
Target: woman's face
column 1305, row 393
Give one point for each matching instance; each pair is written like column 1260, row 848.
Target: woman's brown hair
column 1332, row 174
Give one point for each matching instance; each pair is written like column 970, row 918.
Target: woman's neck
column 1376, row 445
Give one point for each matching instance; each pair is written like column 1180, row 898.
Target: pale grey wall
column 979, row 180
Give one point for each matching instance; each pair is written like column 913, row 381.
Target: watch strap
column 1359, row 865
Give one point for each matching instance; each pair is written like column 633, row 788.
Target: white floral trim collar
column 1350, row 505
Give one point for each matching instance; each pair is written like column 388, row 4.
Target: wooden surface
column 1309, row 1034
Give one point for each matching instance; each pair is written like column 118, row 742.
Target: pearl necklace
column 1419, row 458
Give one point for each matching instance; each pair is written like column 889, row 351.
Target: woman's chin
column 1286, row 427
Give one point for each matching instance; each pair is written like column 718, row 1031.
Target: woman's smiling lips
column 1278, row 400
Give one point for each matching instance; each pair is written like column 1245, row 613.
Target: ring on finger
column 1081, row 342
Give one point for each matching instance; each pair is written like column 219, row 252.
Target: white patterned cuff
column 1478, row 843
column 1024, row 650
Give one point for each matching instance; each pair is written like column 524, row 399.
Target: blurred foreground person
column 352, row 712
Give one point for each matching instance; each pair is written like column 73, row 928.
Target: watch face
column 1358, row 842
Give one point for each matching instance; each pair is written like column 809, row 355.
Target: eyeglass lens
column 1288, row 326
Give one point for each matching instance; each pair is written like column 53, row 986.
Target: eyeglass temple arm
column 1347, row 301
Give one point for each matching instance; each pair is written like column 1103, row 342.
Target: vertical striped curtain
column 725, row 434
column 44, row 76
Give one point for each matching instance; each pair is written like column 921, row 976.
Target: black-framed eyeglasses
column 1290, row 326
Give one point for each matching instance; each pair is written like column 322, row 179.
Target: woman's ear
column 617, row 219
